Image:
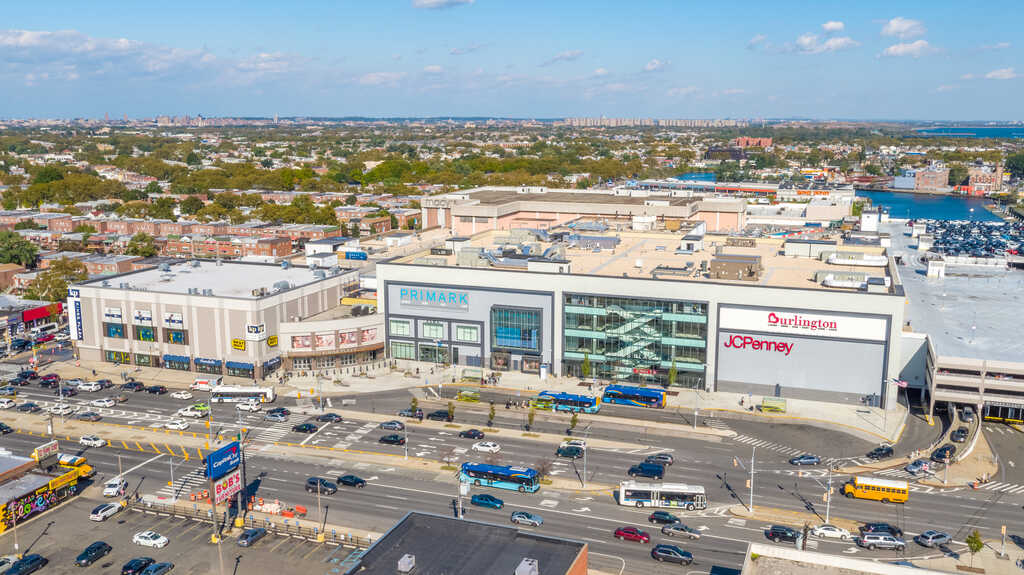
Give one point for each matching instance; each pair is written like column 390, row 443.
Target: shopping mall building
column 818, row 319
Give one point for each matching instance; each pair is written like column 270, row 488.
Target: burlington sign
column 805, row 323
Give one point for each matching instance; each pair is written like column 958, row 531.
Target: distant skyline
column 911, row 60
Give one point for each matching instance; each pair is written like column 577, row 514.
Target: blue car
column 484, row 500
column 805, row 459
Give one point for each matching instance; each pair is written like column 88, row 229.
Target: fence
column 331, row 535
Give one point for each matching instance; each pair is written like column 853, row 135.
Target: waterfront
column 929, row 206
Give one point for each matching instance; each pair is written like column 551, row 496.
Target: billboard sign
column 142, row 317
column 223, row 460
column 173, row 320
column 227, row 486
column 434, row 298
column 46, row 450
column 238, row 344
column 809, row 323
column 112, row 314
column 256, row 332
column 75, row 313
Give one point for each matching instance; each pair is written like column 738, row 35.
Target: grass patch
column 546, row 482
column 449, row 468
column 491, row 430
column 453, row 426
column 528, row 434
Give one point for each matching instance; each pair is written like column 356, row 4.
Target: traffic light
column 824, row 497
column 748, row 483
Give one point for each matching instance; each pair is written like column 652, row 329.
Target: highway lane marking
column 314, row 434
column 385, row 506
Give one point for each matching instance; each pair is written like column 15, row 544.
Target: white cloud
column 655, row 65
column 600, row 72
column 683, row 91
column 914, row 49
column 733, row 91
column 380, row 78
column 810, row 44
column 994, row 47
column 618, row 87
column 967, row 77
column 1001, row 74
column 439, row 3
column 463, row 50
column 833, row 26
column 433, row 69
column 756, row 41
column 946, row 88
column 903, row 28
column 567, row 56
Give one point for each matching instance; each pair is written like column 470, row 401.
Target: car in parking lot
column 393, row 439
column 321, row 485
column 392, row 426
column 90, row 386
column 581, row 443
column 250, row 536
column 150, row 539
column 932, row 538
column 778, row 533
column 881, row 541
column 176, row 424
column 90, row 554
column 329, row 418
column 413, row 414
column 27, row 564
column 158, row 569
column 805, row 459
column 115, row 487
column 89, row 416
column 7, row 403
column 104, row 402
column 61, row 409
column 157, row 389
column 5, row 429
column 104, row 511
column 967, row 414
column 651, row 470
column 471, row 434
column 569, row 451
column 487, row 500
column 65, row 391
column 660, row 459
column 680, row 529
column 662, row 517
column 917, row 466
column 92, row 441
column 827, row 531
column 352, row 481
column 50, row 378
column 671, row 554
column 439, row 415
column 486, row 447
column 527, row 518
column 29, row 407
column 943, row 453
column 305, row 428
column 182, row 395
column 632, row 534
column 959, row 435
column 880, row 452
column 137, row 565
column 879, row 527
column 275, row 417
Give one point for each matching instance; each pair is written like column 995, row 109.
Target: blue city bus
column 522, row 479
column 637, row 396
column 570, row 401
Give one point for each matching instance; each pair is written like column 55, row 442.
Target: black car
column 20, row 344
column 779, row 533
column 158, row 569
column 472, row 434
column 439, row 415
column 943, row 453
column 660, row 459
column 28, row 374
column 89, row 416
column 29, row 408
column 651, row 470
column 959, row 436
column 250, row 536
column 5, row 429
column 48, row 383
column 281, row 410
column 157, row 389
column 19, row 381
column 671, row 553
column 92, row 553
column 321, row 485
column 133, row 386
column 662, row 517
column 881, row 528
column 136, row 565
column 392, row 425
column 305, row 428
column 329, row 418
column 393, row 439
column 27, row 564
column 880, row 452
column 352, row 481
column 66, row 391
column 570, row 451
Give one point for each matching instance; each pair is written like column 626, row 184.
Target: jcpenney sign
column 753, row 343
column 803, row 323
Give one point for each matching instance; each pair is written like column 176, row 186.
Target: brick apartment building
column 745, row 142
column 226, row 247
column 372, row 226
column 984, row 179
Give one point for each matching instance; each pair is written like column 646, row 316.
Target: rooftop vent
column 207, row 292
column 285, row 265
column 282, row 285
column 124, row 285
column 195, row 263
column 193, row 291
column 335, row 270
column 528, row 567
column 105, row 283
column 407, row 563
column 319, row 274
column 164, row 267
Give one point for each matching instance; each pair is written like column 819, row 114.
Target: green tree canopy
column 52, row 283
column 1015, row 165
column 142, row 245
column 48, row 174
column 15, row 249
column 26, row 225
column 190, row 205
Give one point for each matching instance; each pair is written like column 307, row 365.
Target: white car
column 6, row 403
column 90, row 386
column 830, row 532
column 190, row 412
column 105, row 402
column 182, row 395
column 92, row 441
column 486, row 447
column 62, row 409
column 74, row 382
column 105, row 511
column 115, row 487
column 581, row 443
column 176, row 424
column 251, row 406
column 150, row 539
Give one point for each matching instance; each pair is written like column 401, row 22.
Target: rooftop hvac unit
column 528, row 567
column 320, row 274
column 164, row 267
column 207, row 292
column 335, row 270
column 282, row 285
column 312, row 265
column 285, row 265
column 124, row 285
column 105, row 283
column 193, row 291
column 407, row 563
column 195, row 263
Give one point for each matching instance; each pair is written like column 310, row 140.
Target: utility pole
column 585, row 449
column 406, row 444
column 243, row 495
column 215, row 536
column 828, row 496
column 752, row 449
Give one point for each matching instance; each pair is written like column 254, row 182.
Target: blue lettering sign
column 445, row 299
column 224, row 460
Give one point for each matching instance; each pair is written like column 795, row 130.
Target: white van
column 44, row 328
column 115, row 487
column 206, row 383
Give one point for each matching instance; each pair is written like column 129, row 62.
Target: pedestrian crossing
column 275, row 432
column 765, row 444
column 183, row 486
column 1001, row 487
column 355, row 435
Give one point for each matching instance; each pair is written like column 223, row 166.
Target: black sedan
column 29, row 408
column 281, row 410
column 133, row 386
column 137, row 565
column 880, row 452
column 960, row 435
column 91, row 553
column 352, row 481
column 663, row 517
column 393, row 439
column 671, row 553
column 27, row 564
column 157, row 389
column 779, row 533
column 29, row 374
column 305, row 428
column 5, row 429
column 439, row 415
column 329, row 418
column 19, row 381
column 944, row 453
column 66, row 391
column 471, row 433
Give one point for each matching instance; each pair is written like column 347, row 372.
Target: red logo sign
column 799, row 321
column 747, row 342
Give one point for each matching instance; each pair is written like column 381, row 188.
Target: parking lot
column 61, row 535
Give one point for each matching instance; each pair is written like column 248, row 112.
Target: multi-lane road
column 582, row 514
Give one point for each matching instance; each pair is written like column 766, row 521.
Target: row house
column 10, row 218
column 47, row 220
column 48, row 258
column 109, row 264
column 126, row 226
column 42, row 238
column 305, row 232
column 210, row 228
column 373, row 226
column 254, row 228
column 179, row 227
column 346, row 213
column 226, row 246
column 407, row 218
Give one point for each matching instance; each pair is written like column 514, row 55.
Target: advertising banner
column 112, row 314
column 434, row 298
column 75, row 313
column 238, row 344
column 809, row 323
column 256, row 332
column 369, row 335
column 48, row 449
column 173, row 320
column 348, row 338
column 302, row 342
column 325, row 340
column 227, row 486
column 272, row 341
column 223, row 460
column 142, row 317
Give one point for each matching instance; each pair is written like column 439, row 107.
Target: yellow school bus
column 884, row 490
column 77, row 463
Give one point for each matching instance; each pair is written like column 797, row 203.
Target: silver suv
column 932, row 538
column 881, row 541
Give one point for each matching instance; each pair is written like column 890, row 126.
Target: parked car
column 569, row 451
column 105, row 402
column 150, row 539
column 830, row 532
column 413, row 414
column 136, row 566
column 805, row 459
column 526, row 518
column 662, row 459
column 89, row 416
column 92, row 441
column 29, row 407
column 393, row 439
column 157, row 389
column 486, row 447
column 487, row 500
column 967, row 414
column 662, row 517
column 652, row 470
column 250, row 536
column 321, row 485
column 158, row 569
column 5, row 429
column 439, row 415
column 50, row 378
column 91, row 553
column 104, row 512
column 959, row 435
column 115, row 487
column 879, row 527
column 7, row 403
column 65, row 391
column 329, row 418
column 943, row 453
column 881, row 541
column 471, row 434
column 305, row 428
column 679, row 529
column 932, row 538
column 392, row 426
column 778, row 533
column 90, row 386
column 917, row 466
column 352, row 481
column 182, row 395
column 632, row 534
column 27, row 564
column 880, row 452
column 672, row 554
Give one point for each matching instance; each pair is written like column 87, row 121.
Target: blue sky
column 913, row 60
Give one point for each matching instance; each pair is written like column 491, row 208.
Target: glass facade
column 144, row 333
column 114, row 330
column 403, row 350
column 636, row 340
column 515, row 329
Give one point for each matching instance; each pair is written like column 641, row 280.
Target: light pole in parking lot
column 586, row 430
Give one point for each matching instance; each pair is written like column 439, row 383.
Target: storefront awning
column 238, row 365
column 177, row 358
column 272, row 361
column 210, row 362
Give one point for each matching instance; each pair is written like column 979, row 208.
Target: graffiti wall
column 22, row 508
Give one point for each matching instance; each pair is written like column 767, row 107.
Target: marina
column 909, row 205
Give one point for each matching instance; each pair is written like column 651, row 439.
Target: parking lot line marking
column 280, row 543
column 314, row 549
column 124, row 444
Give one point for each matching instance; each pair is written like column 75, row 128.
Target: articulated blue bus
column 571, row 401
column 637, row 396
column 522, row 479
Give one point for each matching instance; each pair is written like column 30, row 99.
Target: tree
column 48, row 174
column 26, row 225
column 957, row 175
column 52, row 283
column 529, row 418
column 672, row 373
column 574, row 420
column 153, row 188
column 543, row 468
column 451, row 411
column 1015, row 165
column 190, row 205
column 974, row 544
column 142, row 245
column 414, row 405
column 193, row 159
column 16, row 249
column 394, row 221
column 490, row 415
column 85, row 229
column 585, row 366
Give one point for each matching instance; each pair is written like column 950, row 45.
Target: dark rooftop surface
column 449, row 546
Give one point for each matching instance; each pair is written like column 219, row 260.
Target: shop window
column 515, row 328
column 432, row 330
column 178, row 365
column 178, row 336
column 302, row 363
column 400, row 327
column 531, row 364
column 114, row 330
column 467, row 333
column 325, row 362
column 214, row 369
column 117, row 356
column 347, row 359
column 500, row 360
column 144, row 333
column 403, row 350
column 245, row 372
column 146, row 360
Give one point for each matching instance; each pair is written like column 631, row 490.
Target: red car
column 44, row 338
column 50, row 378
column 632, row 534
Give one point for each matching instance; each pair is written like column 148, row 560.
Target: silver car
column 932, row 538
column 524, row 518
column 680, row 530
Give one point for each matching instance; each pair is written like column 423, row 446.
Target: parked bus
column 229, row 394
column 639, row 494
column 522, row 479
column 637, row 396
column 571, row 401
column 76, row 462
column 884, row 490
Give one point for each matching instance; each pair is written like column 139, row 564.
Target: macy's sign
column 747, row 342
column 801, row 322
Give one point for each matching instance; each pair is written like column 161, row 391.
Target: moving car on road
column 305, row 428
column 250, row 406
column 778, row 533
column 932, row 538
column 157, row 389
column 439, row 415
column 672, row 554
column 133, row 386
column 150, row 539
column 321, row 485
column 90, row 386
column 471, row 434
column 526, row 518
column 92, row 441
column 392, row 426
column 182, row 395
column 805, row 459
column 89, row 416
column 880, row 452
column 881, row 541
column 486, row 447
column 680, row 530
column 662, row 517
column 660, row 459
column 115, row 487
column 487, row 500
column 91, row 553
column 62, row 409
column 275, row 417
column 177, row 424
column 352, row 481
column 652, row 470
column 830, row 532
column 569, row 451
column 329, row 418
column 959, row 436
column 393, row 439
column 104, row 402
column 943, row 453
column 879, row 527
column 632, row 534
column 105, row 511
column 917, row 466
column 29, row 407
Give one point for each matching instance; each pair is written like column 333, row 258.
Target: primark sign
column 434, row 298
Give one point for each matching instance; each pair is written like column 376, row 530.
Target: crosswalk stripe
column 992, row 486
column 1016, row 489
